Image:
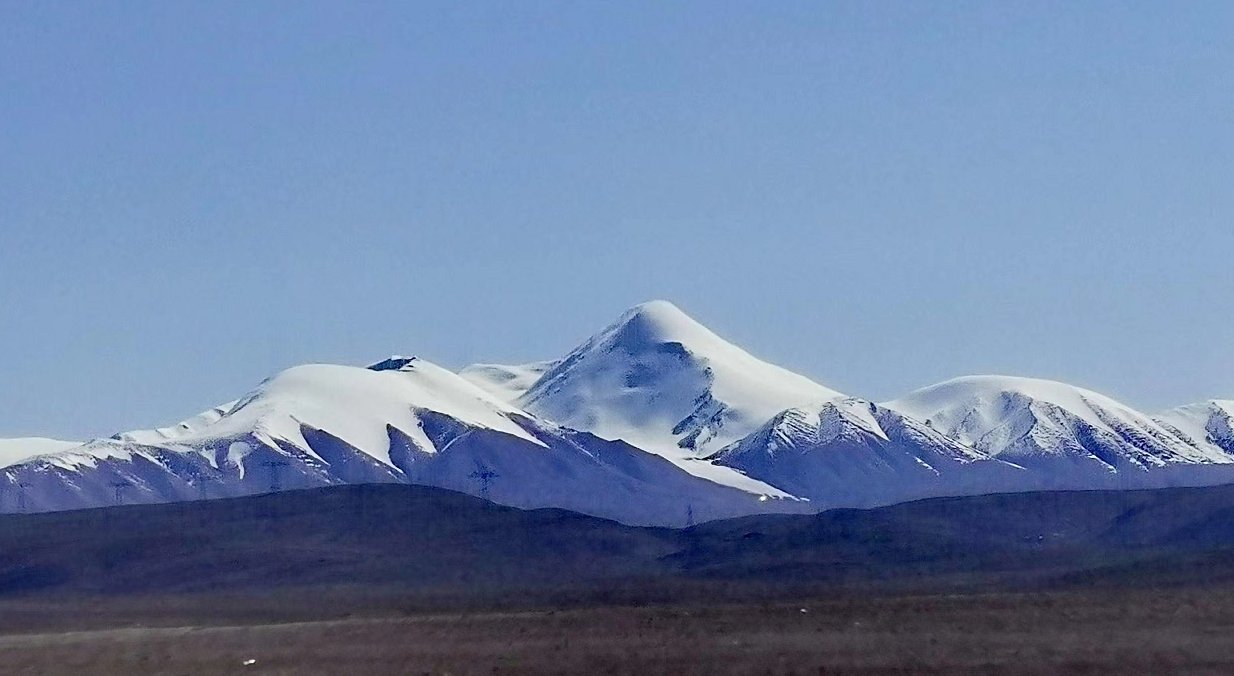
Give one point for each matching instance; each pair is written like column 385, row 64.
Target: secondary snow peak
column 1070, row 432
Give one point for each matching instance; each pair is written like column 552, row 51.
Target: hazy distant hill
column 425, row 540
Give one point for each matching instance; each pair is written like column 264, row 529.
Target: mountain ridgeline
column 653, row 421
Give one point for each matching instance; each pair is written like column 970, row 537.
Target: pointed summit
column 659, row 321
column 662, row 381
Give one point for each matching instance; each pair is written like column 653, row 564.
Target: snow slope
column 506, row 382
column 655, row 420
column 16, row 450
column 1208, row 425
column 1072, row 437
column 356, row 405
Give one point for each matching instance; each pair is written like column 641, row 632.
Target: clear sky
column 195, row 195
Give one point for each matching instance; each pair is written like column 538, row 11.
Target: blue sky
column 194, row 196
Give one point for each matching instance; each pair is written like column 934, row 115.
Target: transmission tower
column 485, row 477
column 120, row 486
column 275, row 468
column 689, row 516
column 21, row 496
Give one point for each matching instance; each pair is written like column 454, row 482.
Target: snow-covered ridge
column 181, row 430
column 400, row 420
column 653, row 420
column 973, row 403
column 355, row 405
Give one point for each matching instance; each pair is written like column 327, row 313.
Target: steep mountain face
column 1207, row 425
column 1071, row 437
column 661, row 381
column 401, row 421
column 853, row 453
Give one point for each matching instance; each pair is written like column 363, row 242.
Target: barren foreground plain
column 403, row 580
column 1113, row 631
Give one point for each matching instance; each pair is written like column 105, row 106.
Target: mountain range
column 654, row 420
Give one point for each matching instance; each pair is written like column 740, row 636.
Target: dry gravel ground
column 1143, row 631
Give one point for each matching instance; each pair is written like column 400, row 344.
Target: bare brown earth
column 1141, row 631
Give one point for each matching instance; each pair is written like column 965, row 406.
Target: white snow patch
column 13, row 451
column 183, row 429
column 504, row 381
column 1203, row 423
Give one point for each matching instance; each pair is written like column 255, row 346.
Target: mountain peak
column 657, row 308
column 663, row 381
column 658, row 322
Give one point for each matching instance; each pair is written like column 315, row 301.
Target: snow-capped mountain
column 854, row 453
column 1070, row 437
column 1208, row 425
column 403, row 420
column 660, row 380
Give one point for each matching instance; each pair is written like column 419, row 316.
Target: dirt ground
column 1095, row 632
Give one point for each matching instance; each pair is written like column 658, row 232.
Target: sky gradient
column 880, row 196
